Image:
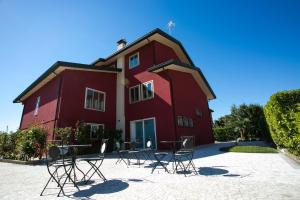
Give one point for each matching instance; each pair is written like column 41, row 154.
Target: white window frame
column 94, row 124
column 152, row 85
column 37, row 105
column 138, row 60
column 85, row 98
column 139, row 91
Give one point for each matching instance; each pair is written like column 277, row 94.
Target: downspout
column 58, row 104
column 173, row 102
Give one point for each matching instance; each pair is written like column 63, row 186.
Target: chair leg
column 96, row 170
column 52, row 177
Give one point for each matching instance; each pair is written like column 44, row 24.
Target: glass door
column 149, row 132
column 142, row 131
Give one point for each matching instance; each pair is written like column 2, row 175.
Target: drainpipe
column 173, row 102
column 57, row 112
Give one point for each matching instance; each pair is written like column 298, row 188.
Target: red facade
column 176, row 93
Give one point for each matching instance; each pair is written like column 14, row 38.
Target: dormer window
column 134, row 61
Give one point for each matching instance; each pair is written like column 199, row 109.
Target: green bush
column 224, row 134
column 282, row 114
column 65, row 134
column 245, row 121
column 8, row 143
column 82, row 136
column 32, row 142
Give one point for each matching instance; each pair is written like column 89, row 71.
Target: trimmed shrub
column 32, row 142
column 282, row 113
column 224, row 134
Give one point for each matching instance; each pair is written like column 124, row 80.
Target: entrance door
column 142, row 131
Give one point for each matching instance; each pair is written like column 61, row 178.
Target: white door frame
column 132, row 130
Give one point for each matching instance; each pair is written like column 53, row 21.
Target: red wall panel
column 73, row 97
column 160, row 106
column 47, row 109
column 189, row 96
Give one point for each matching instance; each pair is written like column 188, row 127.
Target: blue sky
column 247, row 50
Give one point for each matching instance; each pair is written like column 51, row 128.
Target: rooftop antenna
column 171, row 26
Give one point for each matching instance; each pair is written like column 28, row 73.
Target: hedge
column 224, row 134
column 282, row 113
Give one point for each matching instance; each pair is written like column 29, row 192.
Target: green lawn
column 249, row 149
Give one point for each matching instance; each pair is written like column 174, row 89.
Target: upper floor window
column 142, row 91
column 134, row 61
column 147, row 90
column 95, row 129
column 94, row 100
column 134, row 94
column 37, row 105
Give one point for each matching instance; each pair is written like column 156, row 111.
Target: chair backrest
column 53, row 154
column 103, row 146
column 188, row 142
column 133, row 145
column 118, row 145
column 149, row 144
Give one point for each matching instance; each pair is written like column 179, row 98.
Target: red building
column 149, row 89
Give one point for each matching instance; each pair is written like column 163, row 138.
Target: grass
column 249, row 149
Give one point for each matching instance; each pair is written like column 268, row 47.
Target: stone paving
column 221, row 176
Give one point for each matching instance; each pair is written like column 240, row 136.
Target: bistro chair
column 159, row 156
column 96, row 162
column 148, row 151
column 122, row 154
column 134, row 153
column 184, row 156
column 54, row 163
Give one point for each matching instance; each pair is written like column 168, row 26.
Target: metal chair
column 134, row 153
column 54, row 163
column 122, row 154
column 158, row 156
column 184, row 156
column 148, row 151
column 96, row 162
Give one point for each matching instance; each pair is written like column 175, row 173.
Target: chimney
column 121, row 44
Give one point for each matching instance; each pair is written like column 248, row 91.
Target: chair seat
column 161, row 153
column 133, row 151
column 183, row 152
column 61, row 164
column 93, row 158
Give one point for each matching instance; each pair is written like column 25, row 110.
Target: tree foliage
column 282, row 114
column 245, row 121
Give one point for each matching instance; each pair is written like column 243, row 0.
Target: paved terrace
column 221, row 176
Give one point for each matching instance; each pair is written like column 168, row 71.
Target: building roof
column 55, row 69
column 177, row 65
column 145, row 37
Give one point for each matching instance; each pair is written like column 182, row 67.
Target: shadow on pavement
column 110, row 186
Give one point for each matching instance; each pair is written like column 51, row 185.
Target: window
column 37, row 105
column 134, row 94
column 191, row 124
column 147, row 90
column 95, row 129
column 179, row 121
column 134, row 61
column 94, row 100
column 185, row 121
